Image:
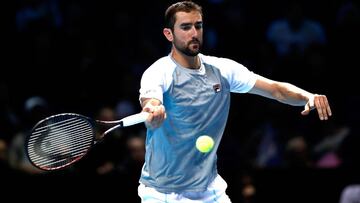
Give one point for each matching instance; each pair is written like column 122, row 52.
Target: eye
column 186, row 27
column 198, row 26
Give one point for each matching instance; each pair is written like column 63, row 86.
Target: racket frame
column 94, row 125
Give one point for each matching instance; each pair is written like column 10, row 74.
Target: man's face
column 188, row 33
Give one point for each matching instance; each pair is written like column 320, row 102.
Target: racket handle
column 134, row 119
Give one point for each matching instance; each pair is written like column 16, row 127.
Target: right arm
column 154, row 82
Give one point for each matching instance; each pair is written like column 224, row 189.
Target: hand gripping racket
column 63, row 139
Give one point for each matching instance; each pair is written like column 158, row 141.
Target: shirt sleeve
column 151, row 85
column 157, row 79
column 240, row 78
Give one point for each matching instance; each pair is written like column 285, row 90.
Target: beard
column 188, row 49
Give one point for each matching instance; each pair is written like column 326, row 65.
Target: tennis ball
column 204, row 143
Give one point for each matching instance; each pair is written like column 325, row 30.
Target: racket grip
column 135, row 119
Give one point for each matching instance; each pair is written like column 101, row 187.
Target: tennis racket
column 63, row 139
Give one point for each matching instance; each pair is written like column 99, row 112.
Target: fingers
column 156, row 117
column 322, row 106
column 319, row 102
column 328, row 109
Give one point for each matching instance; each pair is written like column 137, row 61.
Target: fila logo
column 217, row 88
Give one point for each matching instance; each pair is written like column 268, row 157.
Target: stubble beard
column 187, row 50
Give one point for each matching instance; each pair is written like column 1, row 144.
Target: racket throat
column 120, row 125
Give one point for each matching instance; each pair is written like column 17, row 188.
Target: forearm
column 291, row 94
column 281, row 91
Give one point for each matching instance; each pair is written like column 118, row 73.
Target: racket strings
column 60, row 141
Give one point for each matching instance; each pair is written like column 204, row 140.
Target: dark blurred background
column 87, row 57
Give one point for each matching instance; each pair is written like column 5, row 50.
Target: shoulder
column 239, row 77
column 221, row 63
column 218, row 62
column 162, row 65
column 210, row 59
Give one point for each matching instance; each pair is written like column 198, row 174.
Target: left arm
column 292, row 95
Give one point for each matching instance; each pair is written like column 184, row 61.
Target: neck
column 191, row 62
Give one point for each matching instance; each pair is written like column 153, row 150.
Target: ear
column 168, row 34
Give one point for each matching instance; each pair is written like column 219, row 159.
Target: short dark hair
column 182, row 6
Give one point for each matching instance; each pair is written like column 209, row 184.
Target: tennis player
column 188, row 95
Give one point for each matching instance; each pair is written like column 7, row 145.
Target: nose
column 193, row 31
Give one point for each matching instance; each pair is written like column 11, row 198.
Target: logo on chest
column 217, row 87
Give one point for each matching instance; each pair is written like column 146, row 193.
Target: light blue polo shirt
column 197, row 103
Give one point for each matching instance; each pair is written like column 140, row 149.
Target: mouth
column 194, row 44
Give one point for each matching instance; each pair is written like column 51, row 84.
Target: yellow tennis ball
column 204, row 143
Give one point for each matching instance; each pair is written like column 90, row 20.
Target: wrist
column 311, row 100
